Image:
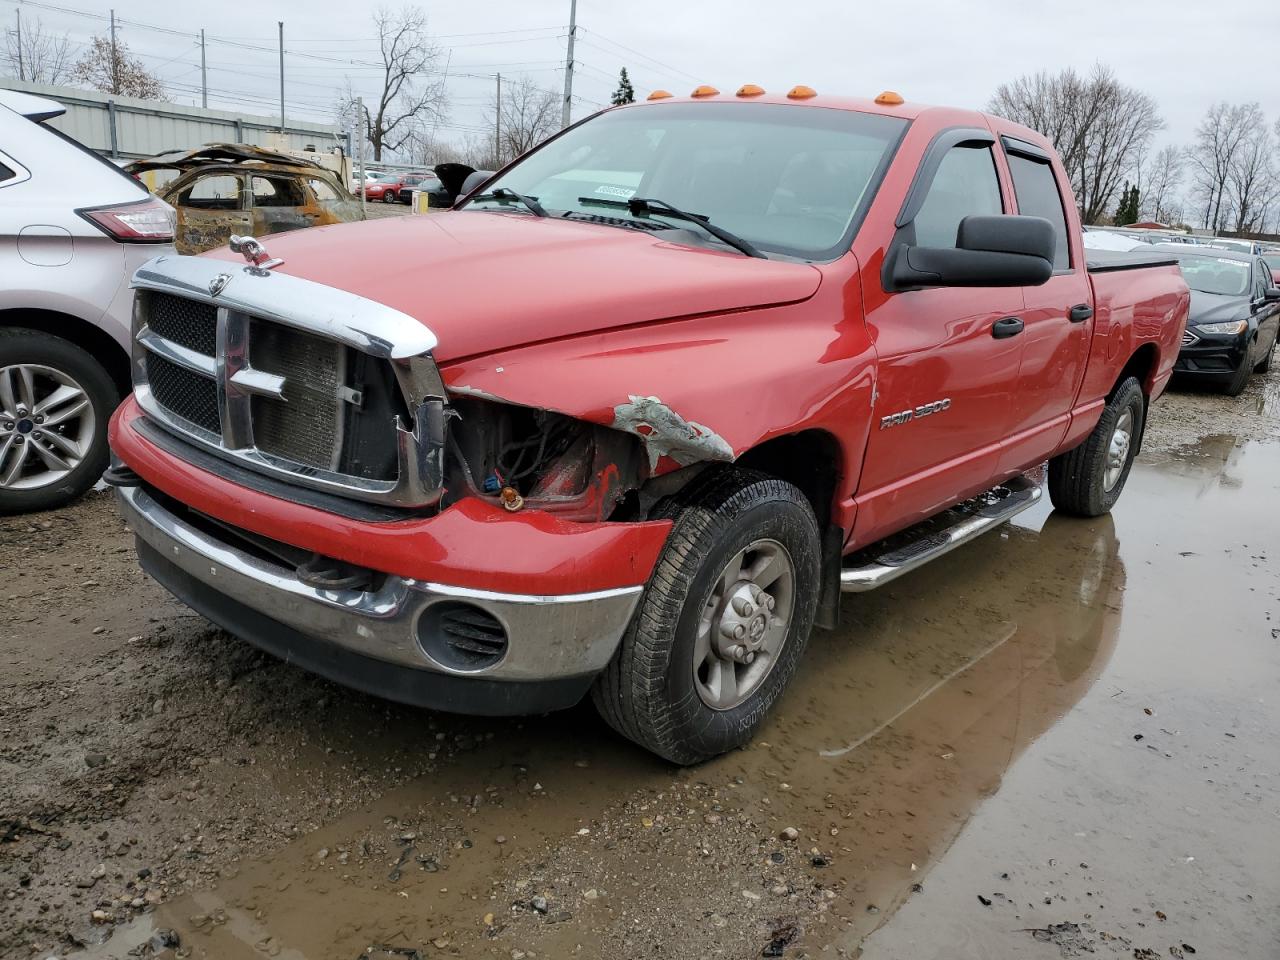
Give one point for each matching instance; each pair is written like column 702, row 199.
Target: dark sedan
column 1235, row 316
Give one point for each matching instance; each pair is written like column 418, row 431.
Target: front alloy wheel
column 744, row 624
column 54, row 403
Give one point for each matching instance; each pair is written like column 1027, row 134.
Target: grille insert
column 186, row 322
column 306, row 426
column 187, row 394
column 1188, row 338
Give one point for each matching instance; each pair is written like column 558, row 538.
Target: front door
column 210, row 210
column 947, row 358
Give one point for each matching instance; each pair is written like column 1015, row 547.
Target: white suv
column 73, row 228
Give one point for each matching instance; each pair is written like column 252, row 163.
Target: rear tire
column 389, row 197
column 1087, row 481
column 53, row 432
column 673, row 686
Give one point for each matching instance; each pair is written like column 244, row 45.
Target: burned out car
column 225, row 189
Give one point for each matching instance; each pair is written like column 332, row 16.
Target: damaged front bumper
column 483, row 634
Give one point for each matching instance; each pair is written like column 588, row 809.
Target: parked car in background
column 73, row 228
column 1271, row 257
column 383, row 188
column 1233, row 243
column 359, row 182
column 1235, row 316
column 647, row 461
column 225, row 189
column 428, row 183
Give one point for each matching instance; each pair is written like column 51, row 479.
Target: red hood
column 487, row 281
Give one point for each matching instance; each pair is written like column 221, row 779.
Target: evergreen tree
column 625, row 92
column 1127, row 211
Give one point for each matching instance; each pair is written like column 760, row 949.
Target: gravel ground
column 158, row 775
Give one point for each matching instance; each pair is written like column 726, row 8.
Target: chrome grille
column 292, row 378
column 306, row 425
column 189, row 395
column 1188, row 338
column 188, row 323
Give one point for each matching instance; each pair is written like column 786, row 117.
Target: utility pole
column 360, row 152
column 568, row 65
column 204, row 75
column 115, row 56
column 497, row 126
column 22, row 73
column 280, row 23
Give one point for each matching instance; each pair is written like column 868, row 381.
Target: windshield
column 1216, row 275
column 788, row 179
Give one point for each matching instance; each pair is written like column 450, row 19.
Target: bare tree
column 1098, row 125
column 1251, row 176
column 529, row 114
column 108, row 67
column 1218, row 140
column 1160, row 179
column 37, row 55
column 413, row 90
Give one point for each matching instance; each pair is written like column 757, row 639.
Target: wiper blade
column 649, row 207
column 506, row 193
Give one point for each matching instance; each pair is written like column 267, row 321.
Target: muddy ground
column 1059, row 741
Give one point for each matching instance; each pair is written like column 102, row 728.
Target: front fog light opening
column 462, row 636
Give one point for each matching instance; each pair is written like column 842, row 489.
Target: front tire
column 1264, row 365
column 1240, row 379
column 723, row 621
column 1087, row 481
column 55, row 401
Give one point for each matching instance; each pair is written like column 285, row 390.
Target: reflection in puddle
column 898, row 727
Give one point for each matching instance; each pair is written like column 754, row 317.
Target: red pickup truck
column 631, row 417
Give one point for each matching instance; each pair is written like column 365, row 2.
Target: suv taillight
column 146, row 221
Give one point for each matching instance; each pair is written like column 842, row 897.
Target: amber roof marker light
column 750, row 90
column 801, row 92
column 659, row 95
column 705, row 90
column 890, row 99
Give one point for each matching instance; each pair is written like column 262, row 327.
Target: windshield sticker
column 622, row 193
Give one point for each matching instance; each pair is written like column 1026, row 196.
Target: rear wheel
column 1087, row 481
column 55, row 400
column 723, row 622
column 389, row 197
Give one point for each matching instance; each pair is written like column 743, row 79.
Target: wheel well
column 810, row 460
column 1141, row 365
column 96, row 341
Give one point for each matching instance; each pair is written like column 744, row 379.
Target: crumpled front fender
column 693, row 391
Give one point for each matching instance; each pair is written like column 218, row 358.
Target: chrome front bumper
column 549, row 637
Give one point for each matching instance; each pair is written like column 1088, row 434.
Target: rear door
column 280, row 203
column 945, row 367
column 1058, row 317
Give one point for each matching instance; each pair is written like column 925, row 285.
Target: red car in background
column 386, row 188
column 1272, row 260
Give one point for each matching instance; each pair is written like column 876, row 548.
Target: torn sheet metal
column 665, row 433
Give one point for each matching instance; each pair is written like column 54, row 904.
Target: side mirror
column 1001, row 251
column 474, row 179
column 1271, row 295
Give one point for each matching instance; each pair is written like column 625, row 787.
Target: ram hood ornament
column 255, row 253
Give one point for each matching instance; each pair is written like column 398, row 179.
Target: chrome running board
column 974, row 518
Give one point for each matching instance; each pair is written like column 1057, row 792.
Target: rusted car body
column 221, row 189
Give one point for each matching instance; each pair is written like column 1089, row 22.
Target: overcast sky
column 1186, row 54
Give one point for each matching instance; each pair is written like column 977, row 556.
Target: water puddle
column 900, row 726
